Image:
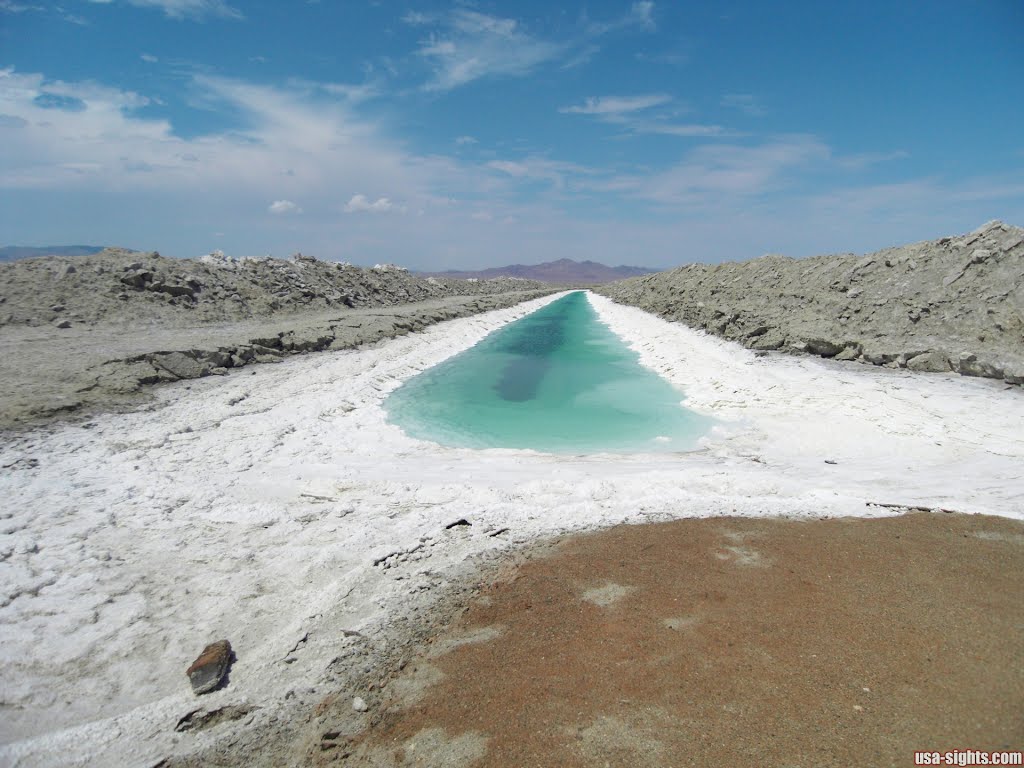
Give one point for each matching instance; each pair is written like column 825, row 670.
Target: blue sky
column 446, row 135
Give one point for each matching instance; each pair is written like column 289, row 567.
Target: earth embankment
column 952, row 304
column 94, row 332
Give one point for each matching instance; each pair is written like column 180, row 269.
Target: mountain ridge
column 18, row 252
column 560, row 271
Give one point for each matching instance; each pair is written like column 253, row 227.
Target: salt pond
column 557, row 380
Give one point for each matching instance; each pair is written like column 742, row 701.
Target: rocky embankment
column 94, row 331
column 953, row 304
column 118, row 285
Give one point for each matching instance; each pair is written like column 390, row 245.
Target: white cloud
column 360, row 204
column 617, row 105
column 464, row 140
column 148, row 58
column 284, row 141
column 181, row 9
column 280, row 207
column 90, row 152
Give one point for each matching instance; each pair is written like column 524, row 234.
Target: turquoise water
column 557, row 380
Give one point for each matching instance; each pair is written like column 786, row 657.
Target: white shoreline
column 139, row 539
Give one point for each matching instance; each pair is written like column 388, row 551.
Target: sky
column 446, row 135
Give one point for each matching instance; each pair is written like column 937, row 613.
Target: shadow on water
column 532, row 349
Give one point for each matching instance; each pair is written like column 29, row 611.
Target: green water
column 557, row 380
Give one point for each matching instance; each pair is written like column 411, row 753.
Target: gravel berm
column 952, row 304
column 91, row 333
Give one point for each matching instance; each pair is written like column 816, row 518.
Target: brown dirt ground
column 725, row 641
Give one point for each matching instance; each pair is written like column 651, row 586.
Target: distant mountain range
column 561, row 271
column 15, row 252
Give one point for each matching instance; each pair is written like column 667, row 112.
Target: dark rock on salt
column 207, row 672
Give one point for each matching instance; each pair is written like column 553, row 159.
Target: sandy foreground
column 724, row 641
column 276, row 508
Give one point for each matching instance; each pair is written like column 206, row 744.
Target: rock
column 209, row 670
column 219, row 358
column 307, row 340
column 824, row 347
column 969, row 365
column 851, row 352
column 359, row 705
column 181, row 365
column 172, row 289
column 934, row 362
column 137, row 279
column 879, row 358
column 266, row 345
column 771, row 340
column 61, row 323
column 199, row 719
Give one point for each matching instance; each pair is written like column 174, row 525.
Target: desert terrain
column 833, row 576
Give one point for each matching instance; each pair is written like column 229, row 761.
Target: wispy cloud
column 468, row 45
column 682, row 130
column 713, row 172
column 556, row 172
column 863, row 160
column 301, row 133
column 463, row 141
column 474, row 45
column 640, row 15
column 417, row 19
column 640, row 115
column 617, row 105
column 148, row 58
column 95, row 151
column 10, row 6
column 744, row 102
column 182, row 9
column 643, row 13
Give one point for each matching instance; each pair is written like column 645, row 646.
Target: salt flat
column 277, row 508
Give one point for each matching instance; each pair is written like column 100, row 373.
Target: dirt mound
column 121, row 286
column 953, row 304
